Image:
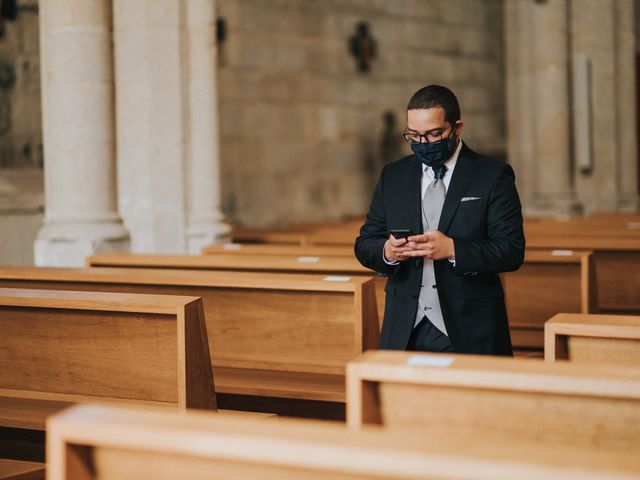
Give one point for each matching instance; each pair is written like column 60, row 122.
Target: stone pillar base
column 68, row 245
column 203, row 234
column 629, row 204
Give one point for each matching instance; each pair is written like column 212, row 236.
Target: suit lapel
column 411, row 185
column 463, row 174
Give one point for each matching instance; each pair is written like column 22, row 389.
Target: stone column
column 519, row 99
column 625, row 88
column 205, row 220
column 554, row 193
column 149, row 59
column 79, row 133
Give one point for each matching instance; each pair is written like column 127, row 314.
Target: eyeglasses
column 430, row 136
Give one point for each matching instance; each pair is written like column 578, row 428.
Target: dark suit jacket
column 488, row 238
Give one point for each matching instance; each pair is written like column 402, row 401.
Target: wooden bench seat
column 62, row 347
column 19, row 470
column 89, row 442
column 549, row 282
column 287, row 336
column 593, row 339
column 585, row 406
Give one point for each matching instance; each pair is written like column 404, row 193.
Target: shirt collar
column 451, row 163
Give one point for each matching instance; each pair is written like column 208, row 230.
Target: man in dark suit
column 443, row 293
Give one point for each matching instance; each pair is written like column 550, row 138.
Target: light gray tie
column 432, row 202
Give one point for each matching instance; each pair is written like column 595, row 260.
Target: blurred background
column 158, row 125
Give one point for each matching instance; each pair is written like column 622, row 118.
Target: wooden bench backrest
column 548, row 282
column 283, row 263
column 69, row 346
column 584, row 227
column 277, row 249
column 593, row 339
column 89, row 442
column 282, row 237
column 595, row 242
column 500, row 397
column 305, row 323
column 289, row 263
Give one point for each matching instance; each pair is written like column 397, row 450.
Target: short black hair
column 433, row 96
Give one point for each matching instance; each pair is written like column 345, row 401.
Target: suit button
column 418, row 262
column 415, row 295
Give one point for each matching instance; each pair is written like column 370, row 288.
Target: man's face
column 431, row 122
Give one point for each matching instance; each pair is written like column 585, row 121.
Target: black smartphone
column 401, row 233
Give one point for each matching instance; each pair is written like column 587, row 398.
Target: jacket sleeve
column 369, row 245
column 503, row 248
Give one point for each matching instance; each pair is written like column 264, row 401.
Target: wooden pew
column 62, row 347
column 593, row 339
column 341, row 233
column 562, row 281
column 19, row 470
column 89, row 442
column 586, row 406
column 599, row 226
column 272, row 335
column 613, row 238
column 277, row 249
column 282, row 237
column 616, row 259
column 549, row 282
column 325, row 265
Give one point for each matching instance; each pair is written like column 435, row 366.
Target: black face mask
column 434, row 154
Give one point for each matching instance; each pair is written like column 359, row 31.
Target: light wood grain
column 336, row 265
column 296, row 324
column 59, row 347
column 545, row 285
column 19, row 470
column 276, row 249
column 586, row 406
column 119, row 443
column 593, row 339
column 230, row 261
column 614, row 239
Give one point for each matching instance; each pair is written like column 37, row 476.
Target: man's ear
column 459, row 125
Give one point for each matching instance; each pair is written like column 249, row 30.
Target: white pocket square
column 470, row 199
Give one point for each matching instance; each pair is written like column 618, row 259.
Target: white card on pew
column 308, row 259
column 562, row 253
column 336, row 278
column 232, row 246
column 430, row 361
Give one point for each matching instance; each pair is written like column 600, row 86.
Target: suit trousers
column 426, row 337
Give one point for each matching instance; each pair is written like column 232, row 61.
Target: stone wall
column 302, row 129
column 21, row 186
column 20, row 123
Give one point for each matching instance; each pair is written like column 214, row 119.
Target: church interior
column 183, row 184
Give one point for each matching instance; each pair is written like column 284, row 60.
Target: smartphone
column 401, row 233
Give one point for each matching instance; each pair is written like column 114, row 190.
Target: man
column 443, row 293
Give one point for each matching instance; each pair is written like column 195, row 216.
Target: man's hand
column 433, row 245
column 395, row 249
